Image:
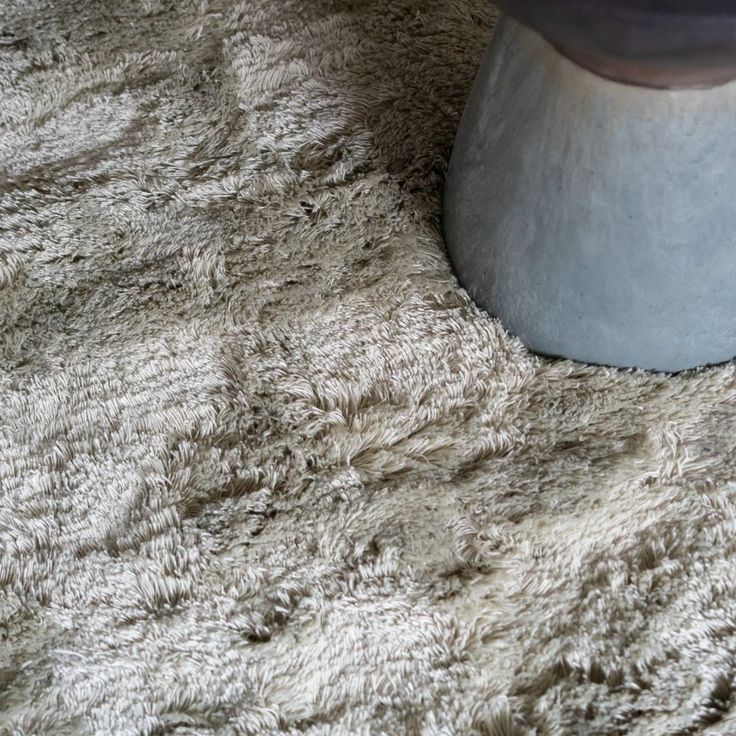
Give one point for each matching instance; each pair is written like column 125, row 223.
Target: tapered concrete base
column 596, row 219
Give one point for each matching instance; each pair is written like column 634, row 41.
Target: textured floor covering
column 263, row 467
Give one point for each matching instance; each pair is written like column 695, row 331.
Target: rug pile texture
column 264, row 467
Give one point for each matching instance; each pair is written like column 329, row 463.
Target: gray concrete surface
column 596, row 219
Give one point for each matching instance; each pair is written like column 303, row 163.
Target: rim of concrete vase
column 652, row 43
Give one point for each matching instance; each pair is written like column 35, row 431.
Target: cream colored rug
column 264, row 469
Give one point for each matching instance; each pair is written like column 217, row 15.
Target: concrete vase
column 596, row 219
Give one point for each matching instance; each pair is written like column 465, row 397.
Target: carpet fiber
column 264, row 468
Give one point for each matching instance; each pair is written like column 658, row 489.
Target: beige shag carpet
column 264, row 468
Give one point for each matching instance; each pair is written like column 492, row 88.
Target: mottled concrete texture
column 596, row 219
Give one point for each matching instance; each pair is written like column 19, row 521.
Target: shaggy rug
column 264, row 468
